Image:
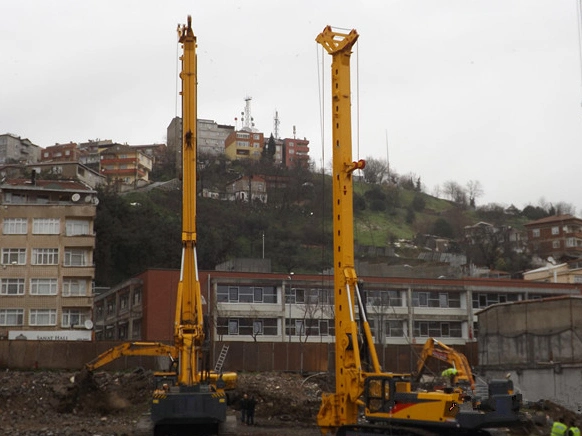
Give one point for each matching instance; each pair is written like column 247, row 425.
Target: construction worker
column 573, row 430
column 559, row 428
column 451, row 374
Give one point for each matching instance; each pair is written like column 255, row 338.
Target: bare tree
column 563, row 208
column 455, row 192
column 474, row 190
column 376, row 170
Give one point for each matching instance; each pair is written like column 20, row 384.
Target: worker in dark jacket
column 251, row 403
column 244, row 405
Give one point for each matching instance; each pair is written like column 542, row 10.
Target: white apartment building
column 46, row 265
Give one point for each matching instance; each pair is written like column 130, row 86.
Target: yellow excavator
column 436, row 349
column 188, row 399
column 368, row 401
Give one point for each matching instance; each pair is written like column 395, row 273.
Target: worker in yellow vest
column 573, row 430
column 451, row 374
column 559, row 428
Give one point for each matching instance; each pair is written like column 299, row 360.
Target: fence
column 242, row 356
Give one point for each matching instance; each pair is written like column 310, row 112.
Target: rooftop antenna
column 387, row 157
column 248, row 121
column 294, row 132
column 276, row 123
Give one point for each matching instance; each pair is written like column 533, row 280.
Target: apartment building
column 46, row 270
column 268, row 307
column 244, row 144
column 125, row 165
column 61, row 152
column 296, row 152
column 557, row 236
column 14, row 149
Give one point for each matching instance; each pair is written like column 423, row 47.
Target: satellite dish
column 88, row 199
column 95, row 201
column 75, row 197
column 88, row 324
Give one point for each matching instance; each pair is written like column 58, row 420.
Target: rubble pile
column 61, row 403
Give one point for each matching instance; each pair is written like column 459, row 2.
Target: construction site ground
column 54, row 403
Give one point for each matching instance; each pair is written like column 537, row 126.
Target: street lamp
column 289, row 302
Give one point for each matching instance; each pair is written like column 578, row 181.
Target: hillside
column 294, row 228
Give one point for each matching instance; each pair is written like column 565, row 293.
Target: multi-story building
column 89, row 152
column 61, row 153
column 251, row 306
column 568, row 272
column 296, row 152
column 14, row 149
column 558, row 236
column 46, row 271
column 125, row 165
column 69, row 171
column 244, row 144
column 245, row 188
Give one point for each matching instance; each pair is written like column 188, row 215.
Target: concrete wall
column 540, row 343
column 531, row 333
column 559, row 384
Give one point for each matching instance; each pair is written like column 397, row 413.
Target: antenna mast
column 248, row 122
column 276, row 123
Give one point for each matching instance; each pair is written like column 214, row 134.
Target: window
column 12, row 287
column 384, row 298
column 11, row 316
column 535, row 233
column 110, row 306
column 42, row 317
column 122, row 330
column 246, row 294
column 437, row 329
column 555, row 244
column 73, row 318
column 137, row 296
column 73, row 287
column 15, row 226
column 247, row 326
column 45, row 256
column 124, row 302
column 75, row 257
column 136, row 329
column 394, row 329
column 435, row 299
column 46, row 226
column 555, row 230
column 14, row 256
column 77, row 227
column 43, row 286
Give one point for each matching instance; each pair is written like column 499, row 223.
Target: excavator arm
column 436, row 349
column 132, row 349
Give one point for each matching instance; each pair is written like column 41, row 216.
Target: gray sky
column 486, row 90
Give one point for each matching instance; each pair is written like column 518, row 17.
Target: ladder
column 221, row 358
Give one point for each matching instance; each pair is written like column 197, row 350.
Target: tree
column 563, row 208
column 441, row 227
column 455, row 192
column 375, row 171
column 269, row 150
column 474, row 190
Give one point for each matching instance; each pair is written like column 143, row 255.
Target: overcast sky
column 486, row 90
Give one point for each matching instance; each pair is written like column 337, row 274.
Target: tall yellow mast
column 188, row 330
column 341, row 407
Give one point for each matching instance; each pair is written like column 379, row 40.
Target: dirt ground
column 50, row 403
